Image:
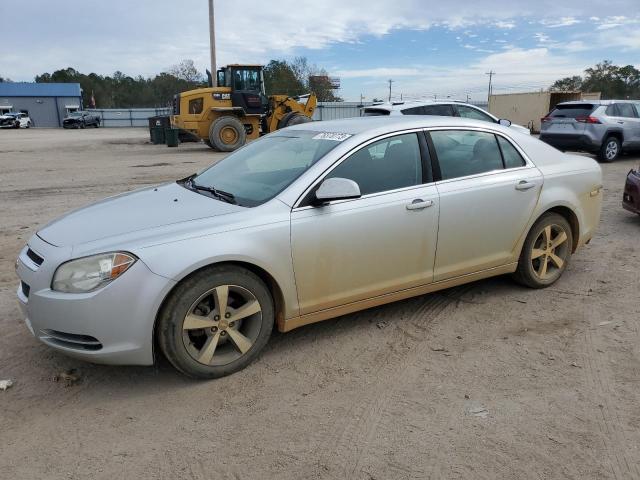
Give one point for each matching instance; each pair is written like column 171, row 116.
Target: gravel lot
column 484, row 381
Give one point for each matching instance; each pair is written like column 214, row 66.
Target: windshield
column 264, row 168
column 75, row 114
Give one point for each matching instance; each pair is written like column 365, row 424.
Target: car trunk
column 568, row 119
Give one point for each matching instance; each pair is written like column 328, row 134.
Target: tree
column 186, row 70
column 5, row 80
column 567, row 84
column 605, row 77
column 280, row 78
column 298, row 77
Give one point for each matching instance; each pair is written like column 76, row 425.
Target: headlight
column 90, row 273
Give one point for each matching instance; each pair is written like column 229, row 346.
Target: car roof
column 416, row 103
column 373, row 126
column 596, row 102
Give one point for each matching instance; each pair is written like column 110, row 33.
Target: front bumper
column 113, row 325
column 631, row 195
column 570, row 141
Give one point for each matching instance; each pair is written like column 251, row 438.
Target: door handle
column 419, row 204
column 621, row 122
column 523, row 185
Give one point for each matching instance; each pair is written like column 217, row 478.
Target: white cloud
column 145, row 36
column 505, row 24
column 563, row 22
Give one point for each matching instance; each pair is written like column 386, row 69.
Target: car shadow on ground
column 162, row 377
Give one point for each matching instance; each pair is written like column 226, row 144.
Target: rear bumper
column 631, row 195
column 570, row 141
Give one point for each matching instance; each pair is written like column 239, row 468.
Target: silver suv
column 605, row 127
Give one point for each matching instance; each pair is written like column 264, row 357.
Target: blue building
column 46, row 103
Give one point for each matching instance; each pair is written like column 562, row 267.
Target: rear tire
column 293, row 118
column 610, row 149
column 227, row 134
column 546, row 252
column 216, row 322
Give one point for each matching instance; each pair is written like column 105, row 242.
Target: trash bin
column 171, row 136
column 163, row 121
column 157, row 135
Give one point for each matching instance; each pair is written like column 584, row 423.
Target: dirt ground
column 485, row 381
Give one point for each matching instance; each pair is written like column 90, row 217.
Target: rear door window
column 464, row 152
column 512, row 159
column 573, row 110
column 626, row 110
column 441, row 110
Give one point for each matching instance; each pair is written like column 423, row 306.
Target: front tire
column 227, row 134
column 216, row 322
column 291, row 119
column 546, row 252
column 610, row 149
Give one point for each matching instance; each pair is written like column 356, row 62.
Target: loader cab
column 247, row 87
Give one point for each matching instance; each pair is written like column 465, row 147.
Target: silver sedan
column 309, row 223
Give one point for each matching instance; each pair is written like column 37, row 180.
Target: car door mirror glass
column 504, row 122
column 337, row 189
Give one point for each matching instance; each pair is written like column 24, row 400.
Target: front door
column 487, row 196
column 383, row 242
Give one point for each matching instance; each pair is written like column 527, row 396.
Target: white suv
column 450, row 108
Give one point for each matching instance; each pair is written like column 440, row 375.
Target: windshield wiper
column 219, row 194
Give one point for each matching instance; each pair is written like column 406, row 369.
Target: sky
column 428, row 48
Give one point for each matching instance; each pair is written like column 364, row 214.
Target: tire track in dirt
column 354, row 431
column 609, row 423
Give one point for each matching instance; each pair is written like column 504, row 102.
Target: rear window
column 375, row 112
column 572, row 111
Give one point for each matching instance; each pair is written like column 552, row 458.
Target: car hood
column 133, row 212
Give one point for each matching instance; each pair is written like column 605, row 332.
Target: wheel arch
column 617, row 133
column 271, row 283
column 570, row 216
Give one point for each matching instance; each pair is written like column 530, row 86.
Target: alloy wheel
column 549, row 252
column 222, row 325
column 611, row 150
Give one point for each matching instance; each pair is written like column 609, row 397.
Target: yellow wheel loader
column 237, row 109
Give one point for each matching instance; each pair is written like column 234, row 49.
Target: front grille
column 25, row 289
column 71, row 340
column 35, row 258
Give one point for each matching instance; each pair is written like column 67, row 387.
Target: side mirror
column 504, row 122
column 337, row 189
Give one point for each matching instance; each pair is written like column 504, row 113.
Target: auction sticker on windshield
column 336, row 137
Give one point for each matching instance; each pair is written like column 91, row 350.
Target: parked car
column 305, row 224
column 449, row 108
column 81, row 119
column 631, row 195
column 605, row 127
column 15, row 120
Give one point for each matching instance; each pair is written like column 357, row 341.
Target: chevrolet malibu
column 306, row 224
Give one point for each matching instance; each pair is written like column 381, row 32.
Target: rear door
column 627, row 118
column 488, row 192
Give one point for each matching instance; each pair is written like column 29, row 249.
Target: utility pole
column 491, row 73
column 390, row 83
column 212, row 41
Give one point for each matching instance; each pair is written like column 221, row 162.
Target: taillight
column 545, row 119
column 588, row 119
